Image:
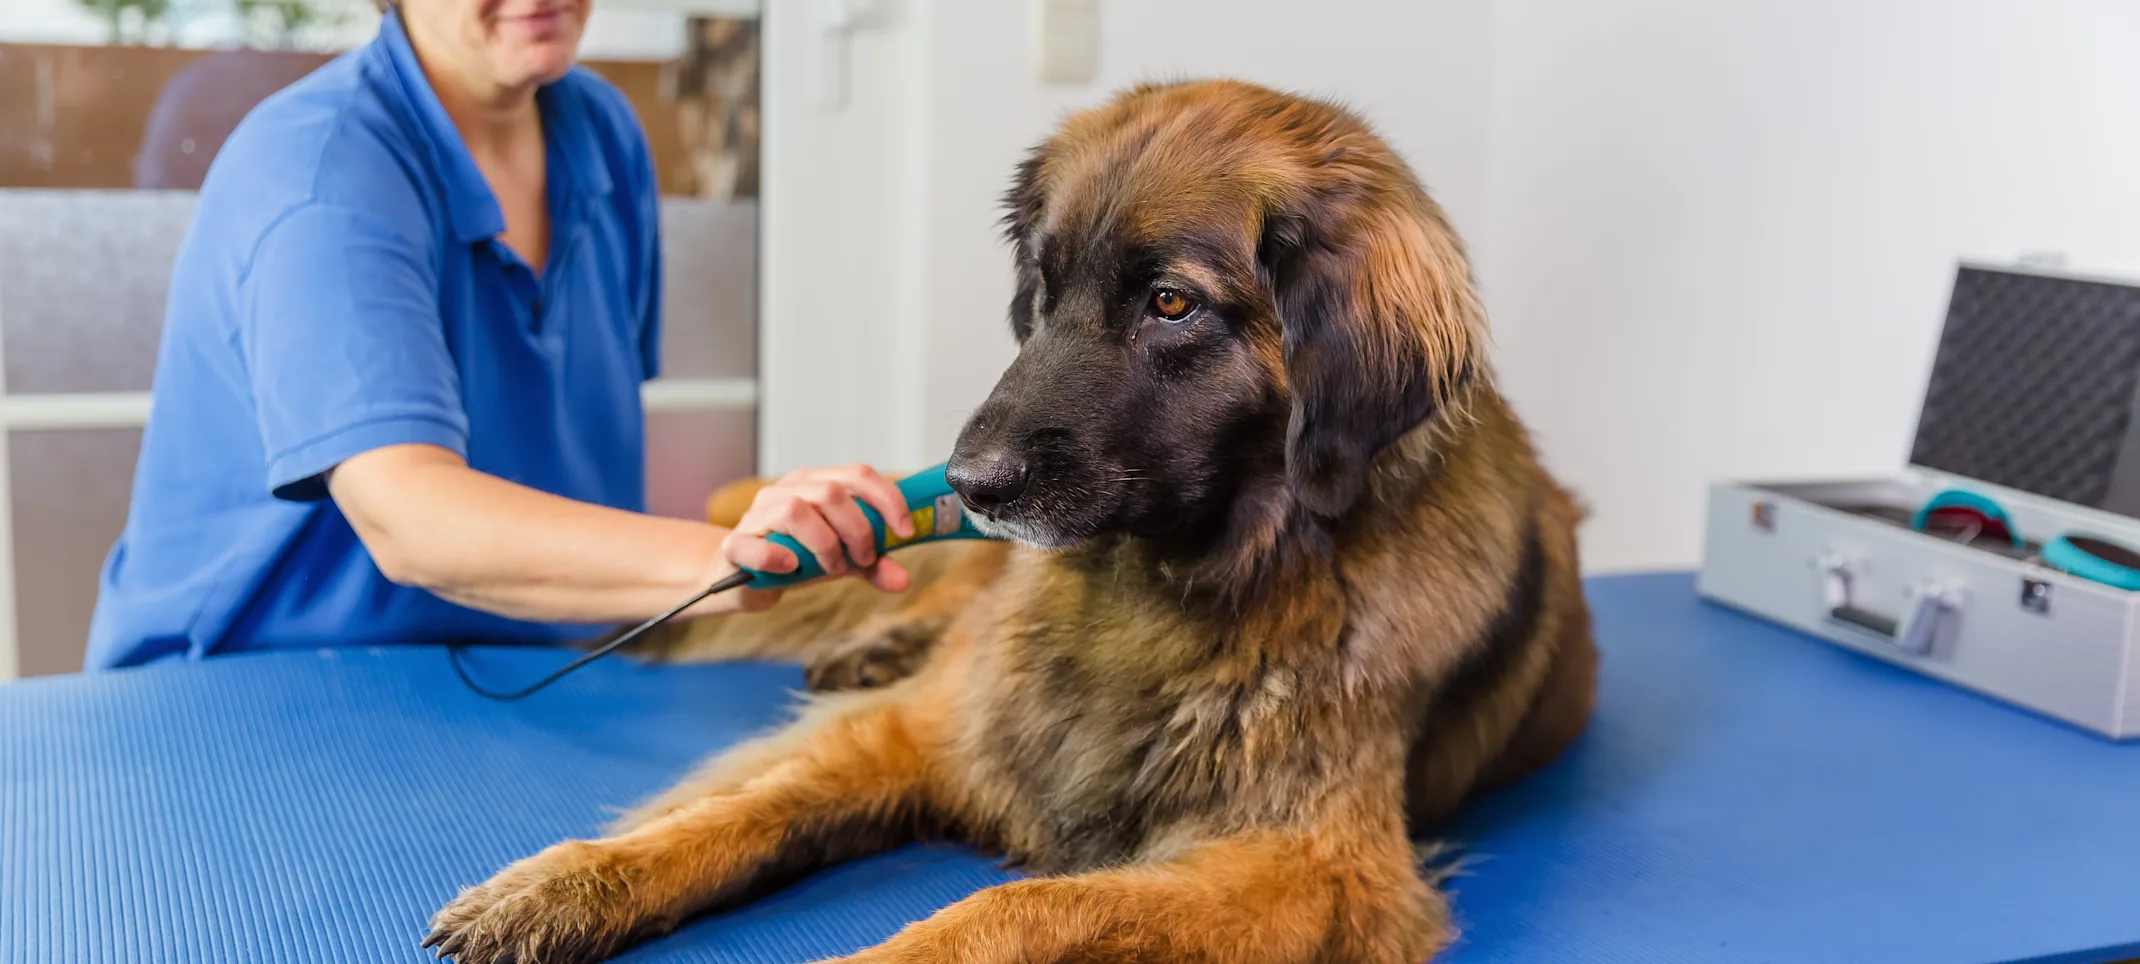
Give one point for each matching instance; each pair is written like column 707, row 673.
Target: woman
column 398, row 393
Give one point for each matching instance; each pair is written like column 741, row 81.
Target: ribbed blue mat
column 1745, row 794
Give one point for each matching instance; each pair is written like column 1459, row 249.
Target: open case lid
column 2036, row 386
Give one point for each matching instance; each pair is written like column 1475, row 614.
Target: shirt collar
column 470, row 204
column 568, row 127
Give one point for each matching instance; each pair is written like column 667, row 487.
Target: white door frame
column 838, row 279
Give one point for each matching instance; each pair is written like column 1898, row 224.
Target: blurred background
column 1715, row 239
column 110, row 111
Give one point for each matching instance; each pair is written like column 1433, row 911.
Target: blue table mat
column 1744, row 794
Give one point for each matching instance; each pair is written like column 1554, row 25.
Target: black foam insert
column 2034, row 387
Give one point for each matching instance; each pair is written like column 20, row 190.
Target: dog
column 1285, row 583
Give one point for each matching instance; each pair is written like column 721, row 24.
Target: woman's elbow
column 401, row 564
column 400, row 532
column 403, row 549
column 395, row 545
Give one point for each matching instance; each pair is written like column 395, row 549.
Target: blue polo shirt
column 341, row 288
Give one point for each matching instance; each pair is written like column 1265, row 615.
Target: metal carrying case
column 2034, row 405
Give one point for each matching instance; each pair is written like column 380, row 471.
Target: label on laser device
column 934, row 521
column 923, row 519
column 949, row 512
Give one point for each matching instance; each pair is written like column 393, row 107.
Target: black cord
column 453, row 650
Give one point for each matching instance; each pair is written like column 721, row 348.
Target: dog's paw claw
column 564, row 905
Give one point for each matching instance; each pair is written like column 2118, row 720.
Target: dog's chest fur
column 1107, row 722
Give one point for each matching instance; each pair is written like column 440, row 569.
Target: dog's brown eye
column 1171, row 304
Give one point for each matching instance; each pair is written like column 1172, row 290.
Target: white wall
column 1721, row 234
column 885, row 278
column 1715, row 238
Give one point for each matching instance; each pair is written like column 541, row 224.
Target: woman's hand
column 817, row 507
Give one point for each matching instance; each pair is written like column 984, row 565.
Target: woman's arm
column 429, row 520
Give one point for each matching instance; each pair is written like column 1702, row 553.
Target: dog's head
column 1229, row 300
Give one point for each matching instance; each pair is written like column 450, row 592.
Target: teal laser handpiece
column 932, row 506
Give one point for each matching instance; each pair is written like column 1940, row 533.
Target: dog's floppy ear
column 1021, row 208
column 1379, row 320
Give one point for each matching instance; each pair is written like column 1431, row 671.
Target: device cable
column 453, row 650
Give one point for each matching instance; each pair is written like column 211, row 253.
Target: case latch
column 1933, row 604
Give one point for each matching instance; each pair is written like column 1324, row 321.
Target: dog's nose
column 988, row 480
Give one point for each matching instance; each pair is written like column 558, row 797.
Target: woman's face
column 505, row 43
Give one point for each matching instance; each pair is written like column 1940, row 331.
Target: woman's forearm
column 431, row 521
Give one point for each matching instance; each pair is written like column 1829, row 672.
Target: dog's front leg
column 851, row 784
column 1255, row 899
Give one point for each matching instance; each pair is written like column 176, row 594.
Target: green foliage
column 146, row 13
column 281, row 20
column 262, row 23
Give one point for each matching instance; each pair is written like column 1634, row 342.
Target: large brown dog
column 1288, row 585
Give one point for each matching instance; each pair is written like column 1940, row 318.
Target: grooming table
column 1745, row 794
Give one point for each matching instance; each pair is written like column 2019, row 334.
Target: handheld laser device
column 932, row 505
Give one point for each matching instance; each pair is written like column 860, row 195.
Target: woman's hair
column 382, row 4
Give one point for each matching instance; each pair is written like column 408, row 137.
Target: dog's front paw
column 872, row 659
column 571, row 903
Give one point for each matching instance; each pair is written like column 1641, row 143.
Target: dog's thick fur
column 1290, row 585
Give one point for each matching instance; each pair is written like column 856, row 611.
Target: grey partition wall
column 82, row 279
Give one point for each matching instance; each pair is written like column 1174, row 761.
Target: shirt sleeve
column 344, row 346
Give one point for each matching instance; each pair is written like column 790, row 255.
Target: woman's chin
column 537, row 72
column 539, row 63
